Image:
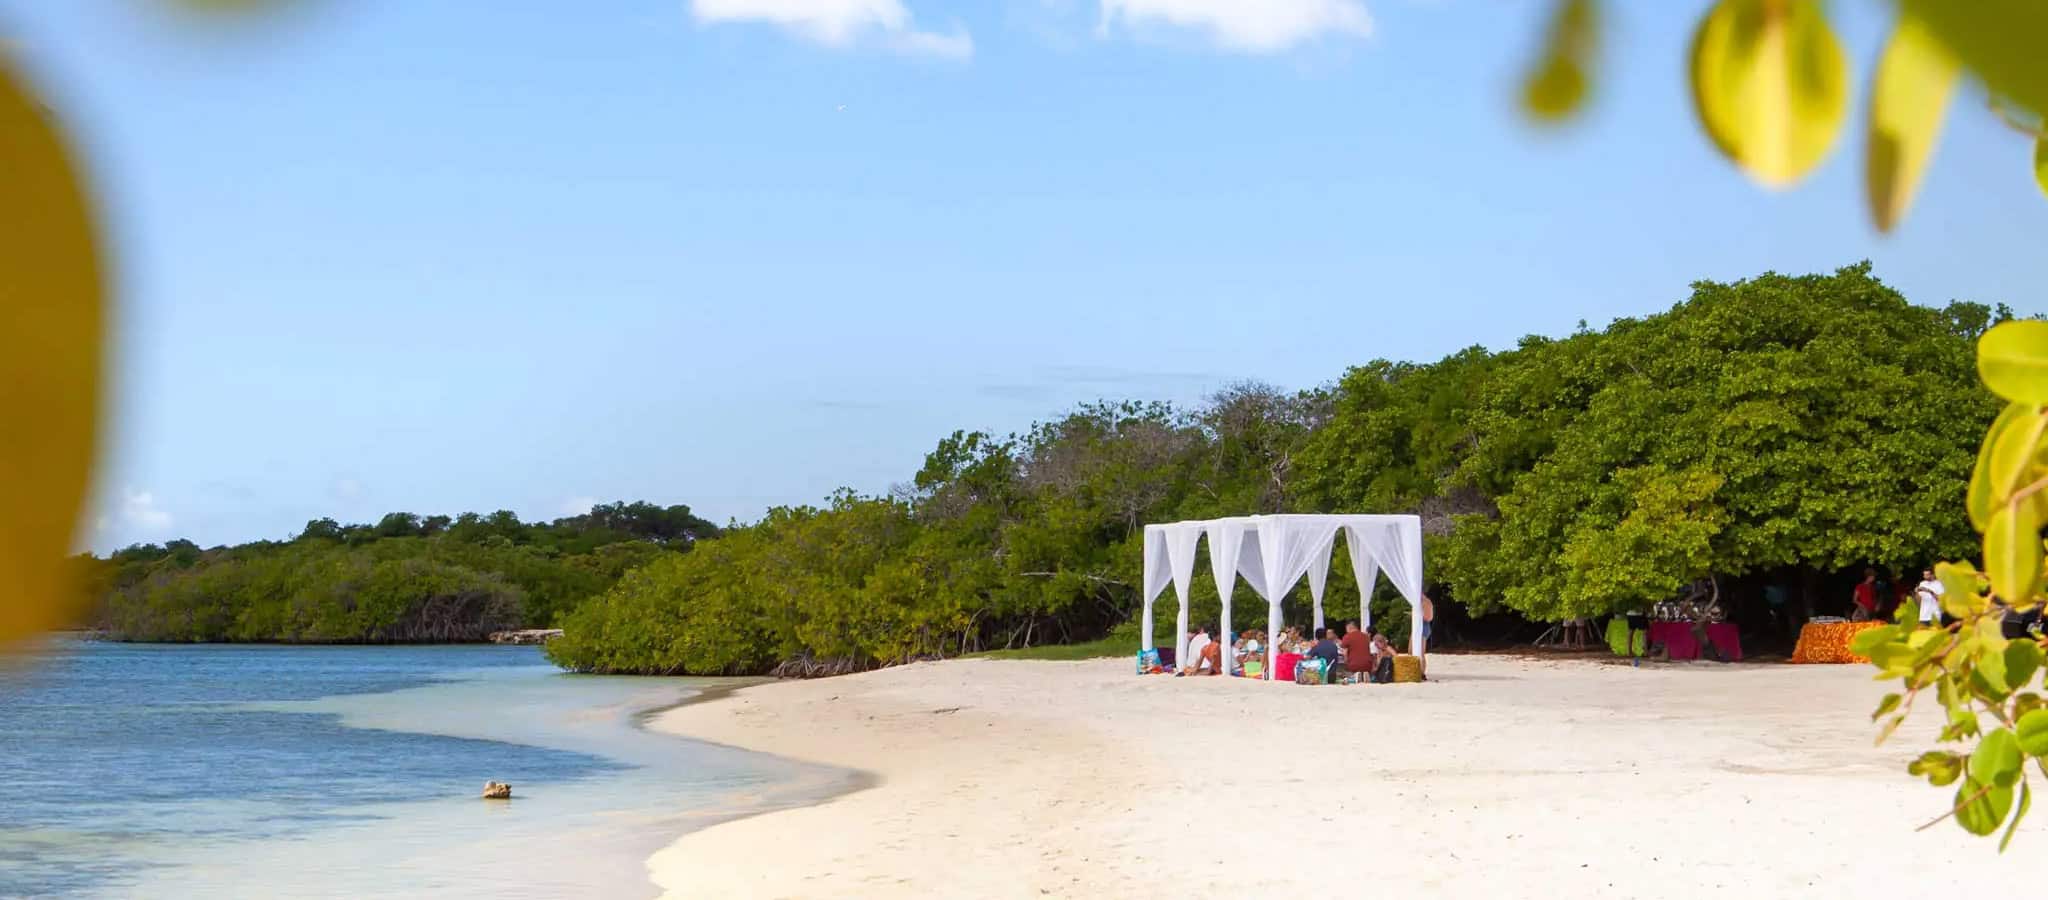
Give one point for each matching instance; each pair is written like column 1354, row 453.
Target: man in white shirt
column 1199, row 639
column 1929, row 593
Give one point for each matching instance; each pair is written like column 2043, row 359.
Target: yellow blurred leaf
column 1909, row 98
column 1555, row 86
column 2041, row 163
column 1770, row 85
column 2000, row 41
column 2012, row 359
column 50, row 310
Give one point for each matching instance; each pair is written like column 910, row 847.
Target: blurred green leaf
column 1962, row 723
column 1990, row 678
column 1983, row 493
column 2026, row 803
column 1909, row 97
column 2012, row 551
column 2022, row 704
column 1555, row 87
column 1997, row 758
column 1963, row 588
column 1889, row 703
column 1980, row 806
column 1770, row 85
column 1867, row 639
column 2031, row 732
column 2022, row 660
column 1892, row 724
column 2013, row 455
column 1940, row 767
column 1894, row 658
column 2012, row 358
column 1998, row 40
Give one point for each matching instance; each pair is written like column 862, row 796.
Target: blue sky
column 380, row 254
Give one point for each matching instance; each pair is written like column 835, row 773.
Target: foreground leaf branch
column 1979, row 665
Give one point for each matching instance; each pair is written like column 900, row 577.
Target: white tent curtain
column 1365, row 569
column 1271, row 553
column 1157, row 572
column 1397, row 547
column 1180, row 554
column 1289, row 546
column 1319, row 577
column 1226, row 544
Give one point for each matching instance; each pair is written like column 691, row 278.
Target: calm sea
column 260, row 771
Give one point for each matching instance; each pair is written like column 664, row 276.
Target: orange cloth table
column 1828, row 642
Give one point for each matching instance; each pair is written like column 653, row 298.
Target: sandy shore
column 1505, row 777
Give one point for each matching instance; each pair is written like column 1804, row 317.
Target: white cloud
column 1249, row 26
column 841, row 23
column 140, row 513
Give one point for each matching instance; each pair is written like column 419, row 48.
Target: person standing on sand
column 1865, row 597
column 1428, row 619
column 1929, row 593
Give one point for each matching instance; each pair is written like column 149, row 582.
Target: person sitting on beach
column 1383, row 660
column 1326, row 649
column 1202, row 653
column 1251, row 656
column 1357, row 650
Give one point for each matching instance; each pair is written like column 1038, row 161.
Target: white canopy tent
column 1272, row 553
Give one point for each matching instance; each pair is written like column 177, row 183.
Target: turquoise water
column 162, row 770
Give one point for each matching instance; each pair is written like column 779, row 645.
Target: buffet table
column 1828, row 642
column 1679, row 643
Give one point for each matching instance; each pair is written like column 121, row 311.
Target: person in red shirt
column 1357, row 650
column 1865, row 597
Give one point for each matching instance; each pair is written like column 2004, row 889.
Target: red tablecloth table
column 1679, row 642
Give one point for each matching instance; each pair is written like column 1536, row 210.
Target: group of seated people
column 1358, row 655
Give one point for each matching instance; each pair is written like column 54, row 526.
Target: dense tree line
column 404, row 578
column 1780, row 428
column 1777, row 428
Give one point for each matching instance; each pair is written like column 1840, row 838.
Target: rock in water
column 497, row 790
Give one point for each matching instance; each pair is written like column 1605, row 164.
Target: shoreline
column 1021, row 778
column 579, row 836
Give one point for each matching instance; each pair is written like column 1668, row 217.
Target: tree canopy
column 1812, row 422
column 1780, row 423
column 405, row 578
column 1775, row 425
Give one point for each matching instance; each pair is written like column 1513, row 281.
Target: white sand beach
column 1504, row 777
